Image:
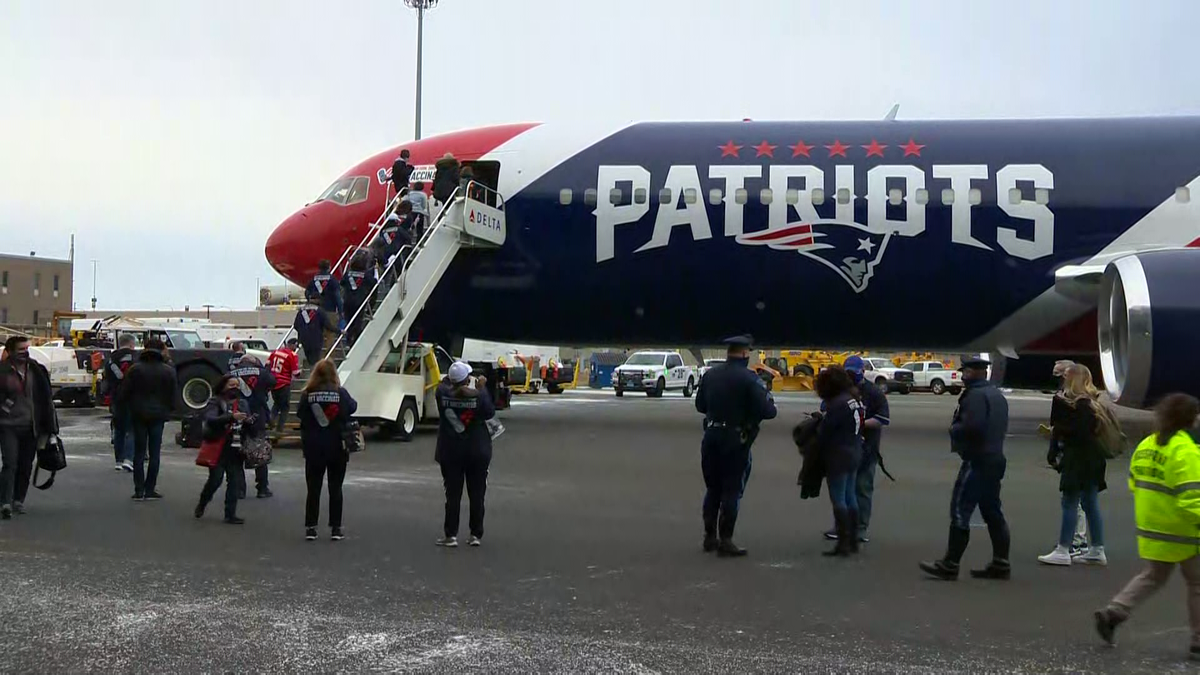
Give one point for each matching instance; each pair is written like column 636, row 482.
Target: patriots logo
column 849, row 249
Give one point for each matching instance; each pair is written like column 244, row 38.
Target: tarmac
column 591, row 562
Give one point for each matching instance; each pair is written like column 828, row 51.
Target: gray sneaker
column 18, row 508
column 447, row 542
column 474, row 541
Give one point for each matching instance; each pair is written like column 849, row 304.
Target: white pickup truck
column 887, row 376
column 935, row 376
column 654, row 373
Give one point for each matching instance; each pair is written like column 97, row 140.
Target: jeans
column 1152, row 578
column 842, row 491
column 122, row 428
column 474, row 472
column 280, row 400
column 1071, row 503
column 864, row 489
column 147, row 437
column 18, row 449
column 228, row 469
column 314, row 475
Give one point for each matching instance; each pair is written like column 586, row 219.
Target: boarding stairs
column 473, row 217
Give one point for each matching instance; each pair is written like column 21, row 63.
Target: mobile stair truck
column 392, row 379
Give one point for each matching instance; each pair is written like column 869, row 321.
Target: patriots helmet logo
column 849, row 249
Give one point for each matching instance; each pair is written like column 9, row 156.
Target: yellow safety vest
column 1165, row 481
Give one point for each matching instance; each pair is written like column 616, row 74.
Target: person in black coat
column 464, row 448
column 839, row 444
column 119, row 361
column 256, row 382
column 356, row 289
column 27, row 421
column 1079, row 459
column 324, row 410
column 326, row 289
column 445, row 178
column 147, row 392
column 225, row 418
column 401, row 172
column 310, row 325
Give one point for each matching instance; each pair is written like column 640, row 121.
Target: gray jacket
column 980, row 422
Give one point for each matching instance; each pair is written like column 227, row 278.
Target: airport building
column 32, row 288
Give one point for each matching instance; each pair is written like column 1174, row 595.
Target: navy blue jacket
column 260, row 381
column 839, row 436
column 118, row 363
column 310, row 325
column 147, row 391
column 463, row 413
column 980, row 422
column 356, row 288
column 326, row 287
column 875, row 403
column 321, row 434
column 732, row 394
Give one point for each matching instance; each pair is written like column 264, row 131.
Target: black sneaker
column 18, row 508
column 1194, row 655
column 310, row 534
column 338, row 534
column 199, row 512
column 265, row 493
column 709, row 545
column 939, row 569
column 728, row 549
column 6, row 511
column 139, row 497
column 234, row 520
column 993, row 571
column 831, row 534
column 153, row 496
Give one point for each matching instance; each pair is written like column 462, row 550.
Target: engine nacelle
column 1149, row 318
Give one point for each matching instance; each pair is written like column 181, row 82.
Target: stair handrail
column 367, row 240
column 407, row 263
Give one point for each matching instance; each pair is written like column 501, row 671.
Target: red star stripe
column 800, row 149
column 729, row 149
column 875, row 149
column 912, row 148
column 764, row 148
column 838, row 148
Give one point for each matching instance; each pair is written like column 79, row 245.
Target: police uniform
column 977, row 436
column 734, row 401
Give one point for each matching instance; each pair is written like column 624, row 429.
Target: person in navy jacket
column 324, row 410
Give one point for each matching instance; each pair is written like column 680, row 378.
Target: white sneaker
column 1094, row 556
column 474, row 541
column 127, row 465
column 118, row 467
column 1059, row 556
column 448, row 542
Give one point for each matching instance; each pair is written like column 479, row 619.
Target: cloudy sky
column 171, row 136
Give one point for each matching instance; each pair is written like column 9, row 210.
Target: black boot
column 996, row 569
column 1106, row 625
column 842, row 547
column 998, row 532
column 941, row 569
column 947, row 568
column 710, row 536
column 727, row 549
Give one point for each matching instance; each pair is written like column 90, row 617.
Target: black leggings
column 314, row 474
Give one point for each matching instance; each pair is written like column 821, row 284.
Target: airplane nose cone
column 286, row 243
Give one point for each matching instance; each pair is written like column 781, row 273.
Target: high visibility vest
column 1165, row 481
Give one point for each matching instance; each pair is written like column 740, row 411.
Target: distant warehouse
column 32, row 289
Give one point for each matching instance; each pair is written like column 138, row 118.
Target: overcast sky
column 172, row 135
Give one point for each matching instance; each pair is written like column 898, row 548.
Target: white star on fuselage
column 866, row 245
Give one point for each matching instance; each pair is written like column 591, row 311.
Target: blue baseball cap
column 854, row 363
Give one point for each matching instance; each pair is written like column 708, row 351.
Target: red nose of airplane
column 288, row 242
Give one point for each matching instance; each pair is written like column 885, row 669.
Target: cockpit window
column 346, row 191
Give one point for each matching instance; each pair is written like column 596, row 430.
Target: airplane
column 1000, row 236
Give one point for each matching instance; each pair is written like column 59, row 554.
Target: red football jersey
column 284, row 365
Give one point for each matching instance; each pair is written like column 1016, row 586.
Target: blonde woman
column 1075, row 415
column 1080, row 542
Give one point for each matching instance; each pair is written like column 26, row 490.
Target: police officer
column 734, row 401
column 977, row 435
column 255, row 381
column 876, row 413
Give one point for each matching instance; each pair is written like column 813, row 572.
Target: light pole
column 420, row 6
column 94, row 261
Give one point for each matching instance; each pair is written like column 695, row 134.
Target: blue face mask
column 855, row 375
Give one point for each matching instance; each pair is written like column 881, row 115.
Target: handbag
column 352, row 437
column 51, row 457
column 257, row 451
column 210, row 452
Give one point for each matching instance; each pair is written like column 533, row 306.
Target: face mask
column 231, row 393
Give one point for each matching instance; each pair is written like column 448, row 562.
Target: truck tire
column 553, row 389
column 196, row 382
column 804, row 369
column 406, row 421
column 937, row 387
column 906, row 389
column 659, row 388
column 688, row 388
column 620, row 392
column 881, row 382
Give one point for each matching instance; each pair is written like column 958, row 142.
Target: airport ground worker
column 1164, row 476
column 464, row 448
column 734, row 402
column 977, row 436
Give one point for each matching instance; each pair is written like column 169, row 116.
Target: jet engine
column 1149, row 321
